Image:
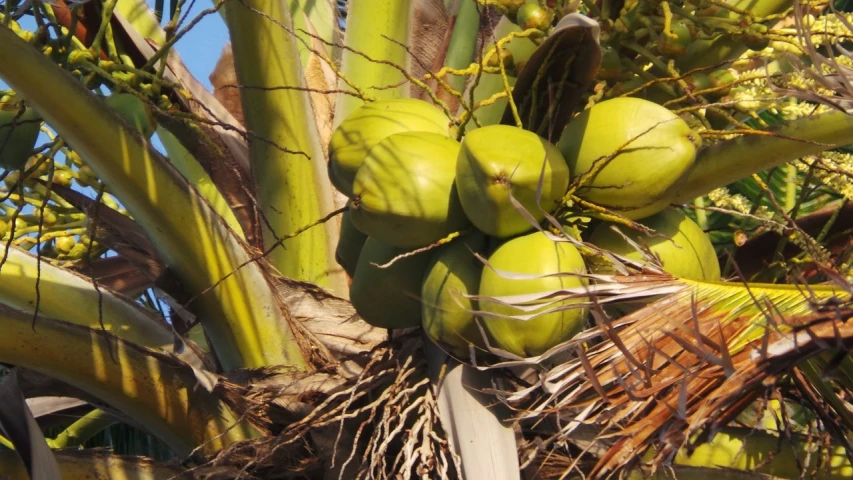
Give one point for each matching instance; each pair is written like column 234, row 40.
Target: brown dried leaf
column 224, row 79
column 569, row 58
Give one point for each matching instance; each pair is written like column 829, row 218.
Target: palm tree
column 195, row 294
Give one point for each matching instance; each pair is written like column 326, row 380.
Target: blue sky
column 200, row 48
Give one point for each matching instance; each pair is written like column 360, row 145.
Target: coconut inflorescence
column 451, row 234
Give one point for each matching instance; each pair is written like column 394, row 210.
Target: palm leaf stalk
column 153, row 389
column 84, row 428
column 82, row 465
column 726, row 162
column 244, row 317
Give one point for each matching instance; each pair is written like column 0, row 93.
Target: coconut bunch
column 454, row 234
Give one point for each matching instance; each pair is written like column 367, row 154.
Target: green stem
column 701, row 214
column 83, row 429
column 100, row 309
column 731, row 160
column 317, row 18
column 373, row 27
column 463, row 41
column 105, row 21
column 791, row 188
column 144, row 21
column 189, row 167
column 289, row 166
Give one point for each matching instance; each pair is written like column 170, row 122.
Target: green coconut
column 133, row 111
column 500, row 161
column 534, row 254
column 447, row 314
column 404, row 194
column 18, row 134
column 531, row 15
column 676, row 46
column 371, row 123
column 388, row 297
column 682, row 247
column 642, row 178
column 350, row 243
column 759, row 451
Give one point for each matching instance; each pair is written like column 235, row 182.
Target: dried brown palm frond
column 685, row 365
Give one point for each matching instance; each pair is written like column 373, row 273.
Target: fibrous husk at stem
column 689, row 363
column 223, row 78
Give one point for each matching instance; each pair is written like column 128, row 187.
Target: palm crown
column 607, row 237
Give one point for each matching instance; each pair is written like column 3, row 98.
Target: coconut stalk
column 463, row 40
column 371, row 27
column 288, row 162
column 243, row 317
column 732, row 160
column 144, row 21
column 155, row 390
column 224, row 150
column 713, row 51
